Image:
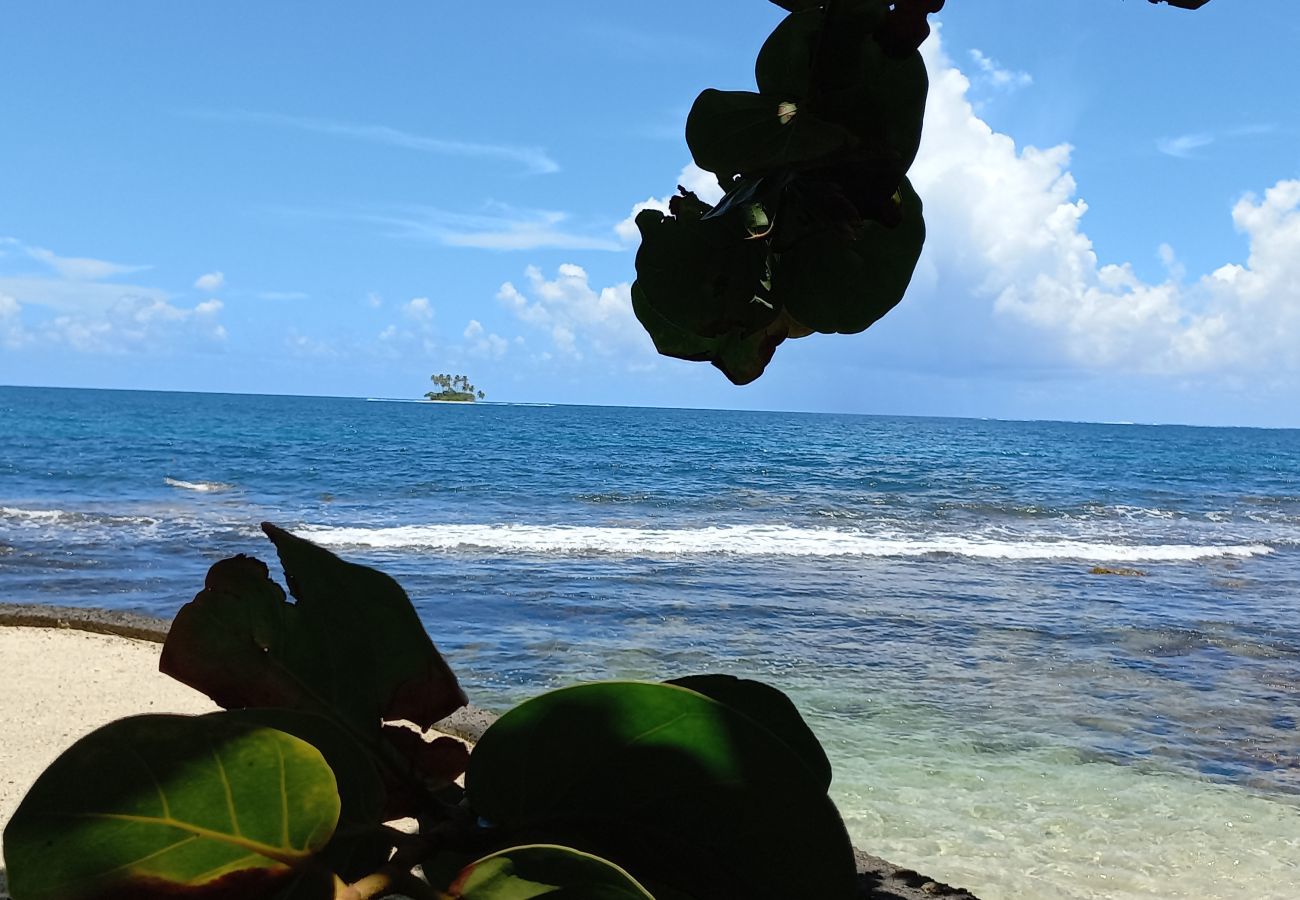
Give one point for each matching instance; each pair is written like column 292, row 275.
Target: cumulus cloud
column 483, row 342
column 1008, row 221
column 577, row 318
column 212, row 281
column 12, row 333
column 419, row 309
column 82, row 311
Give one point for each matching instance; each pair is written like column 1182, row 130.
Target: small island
column 455, row 389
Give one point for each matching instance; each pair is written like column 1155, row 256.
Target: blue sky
column 331, row 198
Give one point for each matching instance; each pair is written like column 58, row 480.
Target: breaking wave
column 752, row 540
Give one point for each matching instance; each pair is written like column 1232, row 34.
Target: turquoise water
column 998, row 716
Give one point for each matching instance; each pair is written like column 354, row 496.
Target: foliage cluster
column 609, row 790
column 455, row 388
column 819, row 229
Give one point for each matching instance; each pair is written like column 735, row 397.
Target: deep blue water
column 937, row 570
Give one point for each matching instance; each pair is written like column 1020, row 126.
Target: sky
column 342, row 199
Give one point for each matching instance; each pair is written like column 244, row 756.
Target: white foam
column 205, row 487
column 33, row 515
column 67, row 518
column 752, row 540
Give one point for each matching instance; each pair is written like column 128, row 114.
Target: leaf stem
column 388, row 880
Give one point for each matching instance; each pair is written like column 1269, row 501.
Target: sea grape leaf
column 378, row 617
column 545, row 870
column 785, row 61
column 767, row 707
column 890, row 104
column 241, row 643
column 677, row 788
column 832, row 283
column 358, row 848
column 700, row 274
column 162, row 806
column 744, row 133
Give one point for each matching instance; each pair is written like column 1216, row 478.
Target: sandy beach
column 62, row 684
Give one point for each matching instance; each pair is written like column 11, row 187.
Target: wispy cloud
column 1184, row 146
column 534, row 159
column 74, row 268
column 506, row 228
column 991, row 72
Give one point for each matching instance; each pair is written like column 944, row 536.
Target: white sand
column 61, row 684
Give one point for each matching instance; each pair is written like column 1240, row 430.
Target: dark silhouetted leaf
column 545, row 870
column 162, row 806
column 242, row 644
column 670, row 784
column 770, row 708
column 832, row 283
column 796, row 5
column 382, row 624
column 743, row 133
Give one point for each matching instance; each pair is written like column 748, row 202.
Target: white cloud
column 90, row 315
column 135, row 323
column 576, row 317
column 374, row 301
column 995, row 75
column 1008, row 222
column 77, row 268
column 533, row 159
column 210, row 282
column 484, row 343
column 12, row 333
column 419, row 309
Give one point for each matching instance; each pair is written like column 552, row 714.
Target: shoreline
column 64, row 651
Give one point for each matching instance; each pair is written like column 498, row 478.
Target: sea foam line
column 201, row 486
column 750, row 540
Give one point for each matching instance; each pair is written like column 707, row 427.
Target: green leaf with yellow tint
column 168, row 806
column 545, row 870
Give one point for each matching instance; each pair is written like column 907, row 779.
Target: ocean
column 998, row 716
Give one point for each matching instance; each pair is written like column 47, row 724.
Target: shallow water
column 998, row 717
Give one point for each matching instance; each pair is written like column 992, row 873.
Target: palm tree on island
column 455, row 389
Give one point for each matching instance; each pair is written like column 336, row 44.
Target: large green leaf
column 351, row 648
column 545, row 870
column 743, row 133
column 832, row 283
column 153, row 806
column 768, row 707
column 679, row 789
